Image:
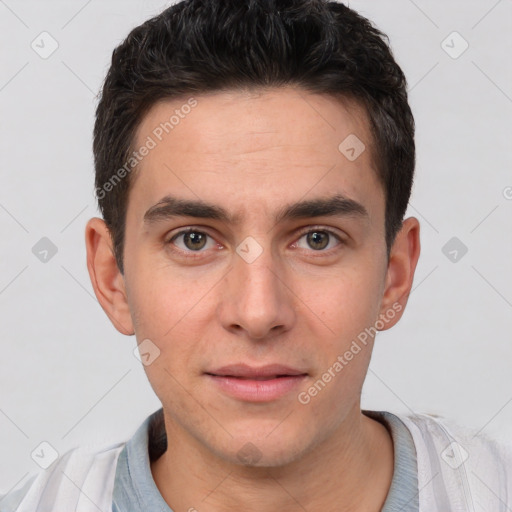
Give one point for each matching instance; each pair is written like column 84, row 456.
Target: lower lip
column 257, row 390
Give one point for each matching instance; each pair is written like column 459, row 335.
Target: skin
column 253, row 153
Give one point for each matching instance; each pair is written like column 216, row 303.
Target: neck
column 350, row 471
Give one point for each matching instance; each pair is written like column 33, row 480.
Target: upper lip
column 244, row 370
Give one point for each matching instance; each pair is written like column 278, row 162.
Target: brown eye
column 320, row 240
column 317, row 239
column 192, row 241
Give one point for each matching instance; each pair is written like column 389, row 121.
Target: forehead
column 302, row 114
column 265, row 145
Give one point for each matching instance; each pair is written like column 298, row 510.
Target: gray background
column 67, row 377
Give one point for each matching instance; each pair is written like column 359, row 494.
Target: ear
column 106, row 278
column 402, row 262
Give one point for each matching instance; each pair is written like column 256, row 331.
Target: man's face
column 254, row 288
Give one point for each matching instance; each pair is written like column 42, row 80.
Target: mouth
column 256, row 384
column 244, row 371
column 252, row 378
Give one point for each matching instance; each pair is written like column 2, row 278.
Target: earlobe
column 403, row 258
column 106, row 279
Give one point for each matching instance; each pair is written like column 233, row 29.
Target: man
column 254, row 162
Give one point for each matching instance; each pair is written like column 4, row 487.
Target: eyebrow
column 170, row 207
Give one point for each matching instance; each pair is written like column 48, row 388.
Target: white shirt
column 458, row 470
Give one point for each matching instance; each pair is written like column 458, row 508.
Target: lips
column 243, row 371
column 256, row 384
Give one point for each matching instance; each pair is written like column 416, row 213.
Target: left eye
column 192, row 241
column 319, row 240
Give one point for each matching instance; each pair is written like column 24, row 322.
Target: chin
column 276, row 450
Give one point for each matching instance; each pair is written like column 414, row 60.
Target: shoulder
column 81, row 475
column 445, row 433
column 460, row 466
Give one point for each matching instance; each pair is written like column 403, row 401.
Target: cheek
column 163, row 297
column 174, row 312
column 348, row 310
column 345, row 303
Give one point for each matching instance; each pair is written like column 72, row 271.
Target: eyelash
column 198, row 254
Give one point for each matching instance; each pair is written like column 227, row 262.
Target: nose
column 257, row 299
